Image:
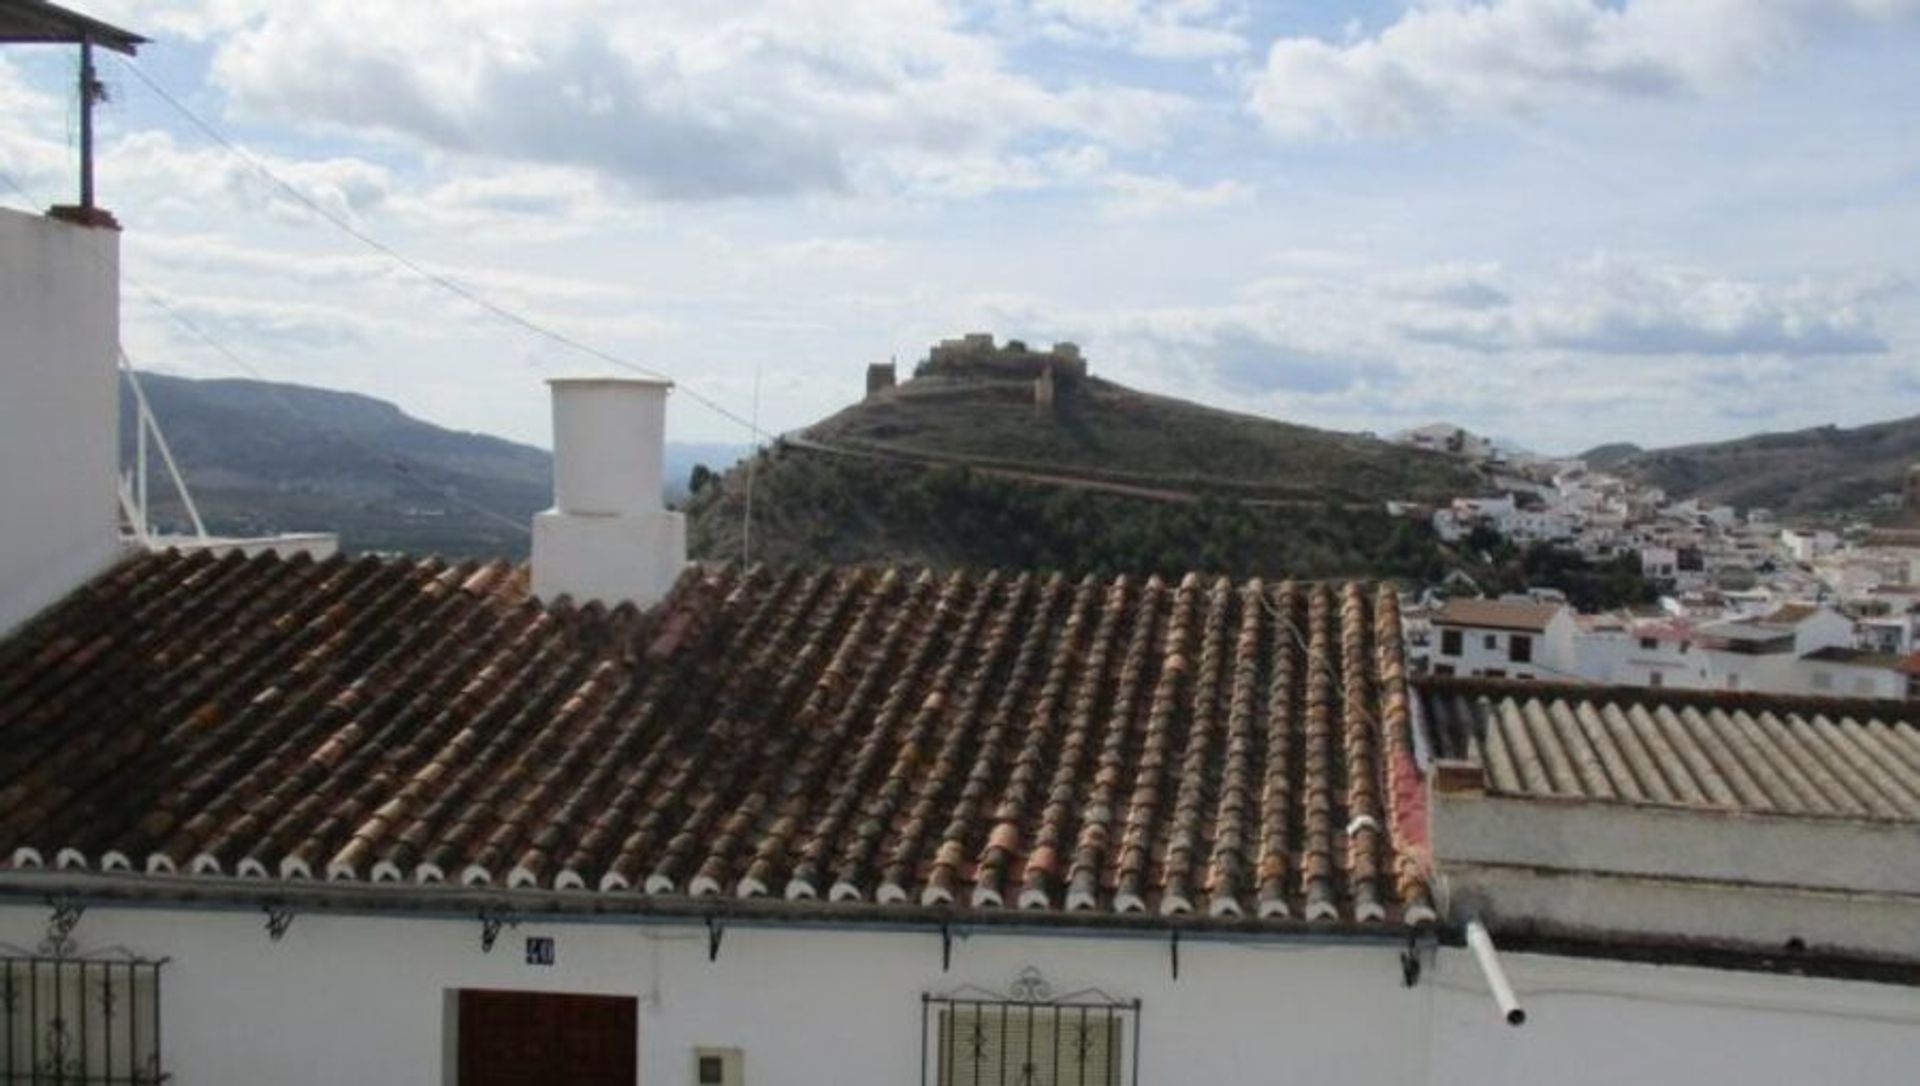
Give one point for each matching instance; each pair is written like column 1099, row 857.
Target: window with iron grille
column 980, row 1038
column 80, row 1021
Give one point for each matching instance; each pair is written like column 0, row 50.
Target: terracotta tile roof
column 1497, row 614
column 1753, row 753
column 997, row 740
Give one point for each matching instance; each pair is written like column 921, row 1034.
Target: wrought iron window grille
column 1028, row 1036
column 70, row 1019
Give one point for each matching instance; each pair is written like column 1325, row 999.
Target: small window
column 1015, row 1043
column 719, row 1067
column 80, row 1021
column 1494, row 673
column 1449, row 642
column 1520, row 649
column 1656, row 680
column 1650, row 644
column 1493, row 642
column 1443, row 669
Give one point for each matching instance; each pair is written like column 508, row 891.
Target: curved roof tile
column 995, row 740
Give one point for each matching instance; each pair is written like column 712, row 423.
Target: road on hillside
column 1060, row 479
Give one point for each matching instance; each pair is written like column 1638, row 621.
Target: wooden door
column 546, row 1039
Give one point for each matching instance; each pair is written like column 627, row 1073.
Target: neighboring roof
column 874, row 736
column 36, row 21
column 1750, row 753
column 1901, row 537
column 1746, row 630
column 1497, row 614
column 1790, row 614
column 1835, row 654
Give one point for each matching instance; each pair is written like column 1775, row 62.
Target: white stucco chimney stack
column 608, row 537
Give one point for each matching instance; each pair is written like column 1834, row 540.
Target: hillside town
column 1745, row 602
column 298, row 811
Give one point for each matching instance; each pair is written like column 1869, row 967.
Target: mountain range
column 1825, row 469
column 263, row 457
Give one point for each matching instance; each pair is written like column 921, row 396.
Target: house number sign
column 539, row 950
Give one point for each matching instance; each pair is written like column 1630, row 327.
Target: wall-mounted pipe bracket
column 279, row 919
column 491, row 921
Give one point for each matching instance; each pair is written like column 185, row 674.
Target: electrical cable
column 445, row 282
column 387, row 457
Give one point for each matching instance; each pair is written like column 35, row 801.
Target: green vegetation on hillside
column 812, row 508
column 264, row 458
column 1501, row 567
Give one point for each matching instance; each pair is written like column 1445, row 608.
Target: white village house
column 618, row 818
column 1498, row 639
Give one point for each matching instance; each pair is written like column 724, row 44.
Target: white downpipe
column 1481, row 943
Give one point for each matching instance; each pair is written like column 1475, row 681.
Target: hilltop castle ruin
column 976, row 355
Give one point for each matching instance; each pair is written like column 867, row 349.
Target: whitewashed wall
column 59, row 330
column 362, row 999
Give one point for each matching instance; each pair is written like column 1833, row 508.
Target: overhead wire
column 387, row 457
column 439, row 279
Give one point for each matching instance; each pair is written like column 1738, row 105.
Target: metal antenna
column 133, row 490
column 753, row 457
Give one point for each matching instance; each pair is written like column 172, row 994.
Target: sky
column 1559, row 222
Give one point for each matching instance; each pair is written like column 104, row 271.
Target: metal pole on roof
column 146, row 419
column 89, row 87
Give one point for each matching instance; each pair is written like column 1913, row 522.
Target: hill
column 264, row 457
column 1609, row 456
column 1824, row 469
column 973, row 467
column 1105, row 431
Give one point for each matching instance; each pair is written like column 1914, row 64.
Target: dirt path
column 1059, row 479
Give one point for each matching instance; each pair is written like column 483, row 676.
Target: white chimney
column 608, row 537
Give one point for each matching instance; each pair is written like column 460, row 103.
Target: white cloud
column 1161, row 29
column 681, row 101
column 1453, row 58
column 1612, row 306
column 151, row 161
column 1137, row 196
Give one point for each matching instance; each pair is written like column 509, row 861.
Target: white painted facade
column 367, row 999
column 59, row 338
column 1842, row 679
column 1485, row 651
column 1649, row 654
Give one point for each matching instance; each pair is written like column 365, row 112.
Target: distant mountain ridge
column 263, row 457
column 1822, row 469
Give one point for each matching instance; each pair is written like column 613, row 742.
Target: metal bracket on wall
column 60, row 925
column 1413, row 957
column 946, row 946
column 491, row 921
column 279, row 919
column 716, row 931
column 1173, row 951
